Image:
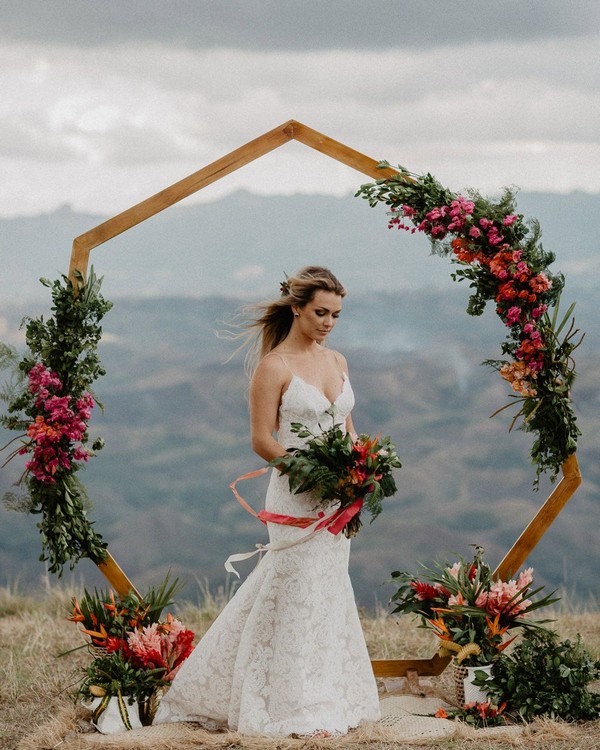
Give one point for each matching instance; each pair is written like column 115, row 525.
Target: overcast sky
column 105, row 102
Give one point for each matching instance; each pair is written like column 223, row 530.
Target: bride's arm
column 266, row 387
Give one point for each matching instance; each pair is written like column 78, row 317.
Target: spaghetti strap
column 283, row 359
column 344, row 373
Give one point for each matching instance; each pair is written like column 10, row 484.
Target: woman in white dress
column 287, row 654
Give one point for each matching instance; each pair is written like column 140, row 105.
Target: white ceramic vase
column 110, row 720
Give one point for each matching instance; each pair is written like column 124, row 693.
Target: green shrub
column 546, row 677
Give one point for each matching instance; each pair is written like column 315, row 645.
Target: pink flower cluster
column 505, row 598
column 55, row 434
column 438, row 222
column 158, row 646
column 518, row 285
column 483, row 242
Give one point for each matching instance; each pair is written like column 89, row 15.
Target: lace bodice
column 305, row 403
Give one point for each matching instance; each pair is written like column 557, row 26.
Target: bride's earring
column 296, row 314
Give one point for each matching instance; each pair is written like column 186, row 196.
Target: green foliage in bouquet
column 340, row 470
column 544, row 676
column 50, row 403
column 114, row 675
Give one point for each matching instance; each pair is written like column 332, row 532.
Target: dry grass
column 35, row 685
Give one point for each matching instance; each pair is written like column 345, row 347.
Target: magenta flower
column 513, row 315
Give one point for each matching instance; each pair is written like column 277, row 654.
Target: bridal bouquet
column 352, row 474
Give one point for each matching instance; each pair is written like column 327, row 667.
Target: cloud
column 104, row 124
column 249, row 272
column 305, row 25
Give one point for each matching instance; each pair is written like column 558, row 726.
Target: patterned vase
column 464, row 689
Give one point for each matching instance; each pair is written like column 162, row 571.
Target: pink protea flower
column 504, row 598
column 161, row 646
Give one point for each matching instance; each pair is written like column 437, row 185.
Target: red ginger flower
column 424, row 591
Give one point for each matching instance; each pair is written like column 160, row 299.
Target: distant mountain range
column 241, row 246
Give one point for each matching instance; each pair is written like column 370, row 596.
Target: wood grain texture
column 546, row 515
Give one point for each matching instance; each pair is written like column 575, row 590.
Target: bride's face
column 318, row 317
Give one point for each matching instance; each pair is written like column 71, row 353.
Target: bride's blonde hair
column 271, row 321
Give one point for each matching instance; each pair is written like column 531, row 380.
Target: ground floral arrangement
column 474, row 615
column 501, row 257
column 471, row 612
column 135, row 654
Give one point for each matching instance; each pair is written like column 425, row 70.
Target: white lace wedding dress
column 287, row 654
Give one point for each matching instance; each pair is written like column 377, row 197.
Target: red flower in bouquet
column 342, row 471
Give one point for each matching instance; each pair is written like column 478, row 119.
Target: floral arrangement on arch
column 50, row 404
column 135, row 652
column 501, row 257
column 471, row 613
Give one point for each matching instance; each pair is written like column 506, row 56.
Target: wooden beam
column 116, row 577
column 340, row 152
column 542, row 521
column 401, row 667
column 247, row 153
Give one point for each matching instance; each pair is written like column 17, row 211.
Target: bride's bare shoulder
column 272, row 367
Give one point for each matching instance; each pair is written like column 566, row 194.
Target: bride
column 287, row 654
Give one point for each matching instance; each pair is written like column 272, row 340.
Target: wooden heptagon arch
column 293, row 130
